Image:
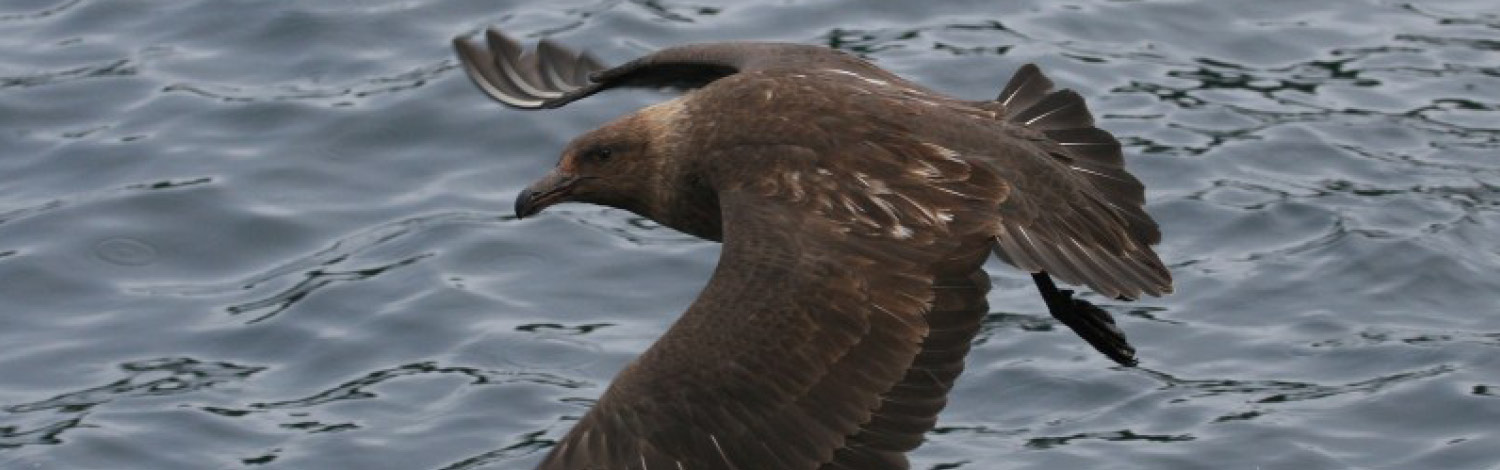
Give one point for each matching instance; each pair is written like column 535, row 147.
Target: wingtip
column 501, row 42
column 543, row 79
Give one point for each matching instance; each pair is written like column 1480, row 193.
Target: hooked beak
column 551, row 189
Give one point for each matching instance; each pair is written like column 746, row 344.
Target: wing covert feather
column 816, row 312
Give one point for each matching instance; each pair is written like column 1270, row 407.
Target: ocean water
column 275, row 234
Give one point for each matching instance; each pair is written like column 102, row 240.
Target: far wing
column 553, row 76
column 517, row 79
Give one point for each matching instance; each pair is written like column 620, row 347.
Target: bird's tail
column 1089, row 151
column 1094, row 154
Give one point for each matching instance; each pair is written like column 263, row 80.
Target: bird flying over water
column 855, row 209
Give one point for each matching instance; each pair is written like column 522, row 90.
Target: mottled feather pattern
column 855, row 209
column 878, row 175
column 1051, row 217
column 870, row 285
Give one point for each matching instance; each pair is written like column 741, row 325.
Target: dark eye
column 602, row 154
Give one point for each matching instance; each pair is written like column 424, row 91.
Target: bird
column 856, row 210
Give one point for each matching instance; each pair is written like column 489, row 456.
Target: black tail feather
column 1090, row 143
column 1094, row 153
column 1058, row 110
column 1025, row 88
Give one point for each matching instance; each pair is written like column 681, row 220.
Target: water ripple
column 35, row 209
column 115, row 68
column 306, row 189
column 1123, row 435
column 527, row 444
column 322, row 269
column 358, row 388
column 1282, row 391
column 164, row 376
column 331, row 95
column 43, row 13
column 146, row 378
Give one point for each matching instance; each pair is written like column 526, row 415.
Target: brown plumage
column 855, row 209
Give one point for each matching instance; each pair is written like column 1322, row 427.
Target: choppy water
column 275, row 234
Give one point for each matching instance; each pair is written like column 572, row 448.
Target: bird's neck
column 683, row 198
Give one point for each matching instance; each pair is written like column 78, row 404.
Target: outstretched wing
column 553, row 76
column 792, row 355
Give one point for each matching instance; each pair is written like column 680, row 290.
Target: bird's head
column 635, row 163
column 611, row 166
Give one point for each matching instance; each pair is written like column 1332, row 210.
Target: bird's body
column 855, row 209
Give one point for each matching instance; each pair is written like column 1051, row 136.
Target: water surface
column 271, row 234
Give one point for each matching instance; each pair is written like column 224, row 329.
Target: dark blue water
column 274, row 234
